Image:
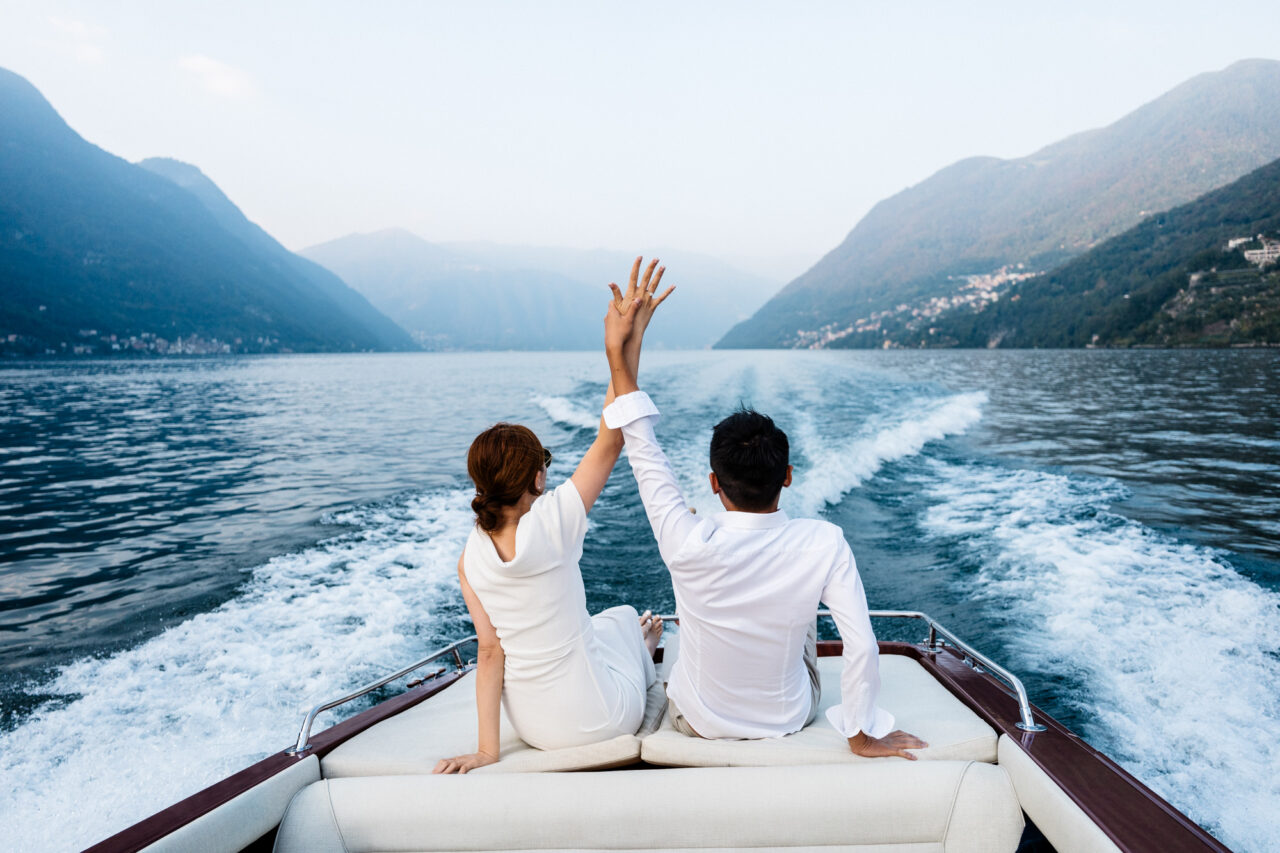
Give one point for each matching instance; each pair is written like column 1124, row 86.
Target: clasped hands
column 629, row 313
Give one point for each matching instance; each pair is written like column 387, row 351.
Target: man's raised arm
column 635, row 414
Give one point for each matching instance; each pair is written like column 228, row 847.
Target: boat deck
column 365, row 783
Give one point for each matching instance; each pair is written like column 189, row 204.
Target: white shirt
column 747, row 586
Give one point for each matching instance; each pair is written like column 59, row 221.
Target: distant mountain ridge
column 984, row 213
column 492, row 296
column 350, row 302
column 1170, row 281
column 450, row 302
column 98, row 254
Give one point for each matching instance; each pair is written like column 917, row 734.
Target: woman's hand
column 464, row 763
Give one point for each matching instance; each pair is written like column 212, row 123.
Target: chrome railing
column 300, row 748
column 930, row 645
column 972, row 657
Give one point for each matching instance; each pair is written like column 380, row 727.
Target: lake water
column 194, row 551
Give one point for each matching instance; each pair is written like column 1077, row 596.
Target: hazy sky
column 759, row 133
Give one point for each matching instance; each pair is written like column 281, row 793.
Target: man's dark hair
column 749, row 456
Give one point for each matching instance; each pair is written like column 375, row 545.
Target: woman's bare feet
column 651, row 628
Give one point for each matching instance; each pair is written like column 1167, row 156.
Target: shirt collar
column 751, row 520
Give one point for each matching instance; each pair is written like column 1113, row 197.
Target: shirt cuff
column 881, row 722
column 627, row 408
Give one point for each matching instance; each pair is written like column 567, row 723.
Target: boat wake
column 568, row 413
column 828, row 466
column 1177, row 655
column 833, row 468
column 205, row 698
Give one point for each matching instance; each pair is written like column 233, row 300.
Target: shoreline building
column 1268, row 254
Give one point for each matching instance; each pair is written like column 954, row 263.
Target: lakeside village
column 978, row 291
column 91, row 342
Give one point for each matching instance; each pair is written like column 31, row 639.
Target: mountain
column 983, row 214
column 1169, row 281
column 492, row 296
column 449, row 301
column 388, row 335
column 98, row 254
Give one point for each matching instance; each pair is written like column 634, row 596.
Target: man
column 749, row 580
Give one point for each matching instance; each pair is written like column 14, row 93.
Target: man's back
column 747, row 588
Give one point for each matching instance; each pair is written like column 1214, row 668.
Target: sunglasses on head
column 546, row 458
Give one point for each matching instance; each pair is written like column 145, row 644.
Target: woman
column 566, row 678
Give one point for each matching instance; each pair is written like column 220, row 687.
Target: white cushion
column 1063, row 823
column 445, row 725
column 959, row 807
column 920, row 705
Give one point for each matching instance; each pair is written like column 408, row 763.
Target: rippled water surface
column 193, row 551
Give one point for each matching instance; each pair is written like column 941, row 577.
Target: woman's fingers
column 462, row 763
column 635, row 273
column 617, row 295
column 665, row 294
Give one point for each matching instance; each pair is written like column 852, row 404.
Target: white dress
column 571, row 678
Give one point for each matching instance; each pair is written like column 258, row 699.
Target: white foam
column 1178, row 654
column 151, row 725
column 835, row 464
column 834, row 467
column 567, row 412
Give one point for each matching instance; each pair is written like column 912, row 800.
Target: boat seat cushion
column 889, row 807
column 445, row 725
column 919, row 704
column 1055, row 814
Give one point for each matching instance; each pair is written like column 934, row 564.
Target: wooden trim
column 1132, row 815
column 180, row 814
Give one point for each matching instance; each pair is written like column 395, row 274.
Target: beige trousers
column 815, row 687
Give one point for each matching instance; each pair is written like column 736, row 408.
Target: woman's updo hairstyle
column 504, row 462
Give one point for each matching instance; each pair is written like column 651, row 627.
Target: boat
column 999, row 774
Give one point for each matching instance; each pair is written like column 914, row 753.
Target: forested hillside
column 982, row 215
column 1170, row 281
column 98, row 255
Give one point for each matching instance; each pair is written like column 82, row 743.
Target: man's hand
column 463, row 763
column 891, row 745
